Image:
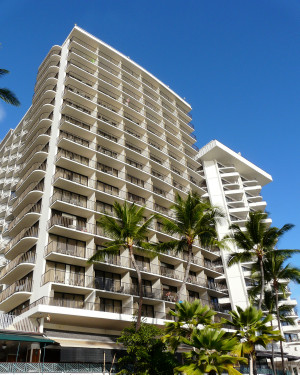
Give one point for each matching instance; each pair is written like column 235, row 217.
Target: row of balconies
column 198, row 263
column 82, row 72
column 121, row 66
column 141, row 141
column 122, row 99
column 117, row 309
column 124, row 111
column 126, row 176
column 117, row 286
column 113, row 152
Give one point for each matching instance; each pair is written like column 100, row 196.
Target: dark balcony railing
column 28, row 257
column 19, row 286
column 74, row 251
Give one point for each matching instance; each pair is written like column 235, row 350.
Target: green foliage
column 256, row 241
column 252, row 329
column 188, row 316
column 126, row 229
column 146, row 353
column 194, row 218
column 211, row 353
column 7, row 95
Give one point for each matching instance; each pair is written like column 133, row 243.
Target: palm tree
column 278, row 274
column 255, row 242
column 7, row 95
column 127, row 230
column 211, row 354
column 269, row 305
column 187, row 316
column 194, row 219
column 251, row 328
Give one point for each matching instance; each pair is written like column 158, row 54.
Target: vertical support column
column 234, row 275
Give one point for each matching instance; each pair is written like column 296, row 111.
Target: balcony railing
column 74, row 251
column 34, row 208
column 17, row 287
column 25, row 233
column 91, row 306
column 33, row 186
column 36, row 166
column 28, row 257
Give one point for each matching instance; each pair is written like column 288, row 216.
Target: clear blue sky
column 236, row 62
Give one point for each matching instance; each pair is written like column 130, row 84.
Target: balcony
column 79, row 230
column 75, row 205
column 36, row 172
column 64, row 311
column 15, row 294
column 76, row 255
column 22, row 242
column 26, row 218
column 18, row 268
column 33, row 192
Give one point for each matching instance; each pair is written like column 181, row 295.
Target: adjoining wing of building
column 102, row 129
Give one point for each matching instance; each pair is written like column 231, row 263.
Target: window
column 106, row 169
column 148, row 311
column 134, row 180
column 110, row 305
column 107, row 281
column 146, row 285
column 104, row 207
column 68, row 300
column 106, row 188
column 66, row 246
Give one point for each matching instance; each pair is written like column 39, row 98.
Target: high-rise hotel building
column 102, row 129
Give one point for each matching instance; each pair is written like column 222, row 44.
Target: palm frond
column 9, row 97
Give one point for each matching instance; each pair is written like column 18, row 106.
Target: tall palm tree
column 211, row 353
column 194, row 219
column 251, row 328
column 255, row 242
column 269, row 305
column 7, row 95
column 127, row 230
column 187, row 317
column 278, row 273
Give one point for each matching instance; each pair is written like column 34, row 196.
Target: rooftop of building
column 78, row 30
column 215, row 150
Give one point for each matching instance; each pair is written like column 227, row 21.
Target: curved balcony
column 53, row 55
column 31, row 195
column 18, row 268
column 22, row 242
column 26, row 218
column 36, row 172
column 15, row 294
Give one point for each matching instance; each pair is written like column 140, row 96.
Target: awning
column 25, row 338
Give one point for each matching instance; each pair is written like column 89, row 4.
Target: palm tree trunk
column 279, row 327
column 250, row 364
column 140, row 288
column 272, row 359
column 254, row 364
column 262, row 276
column 186, row 273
